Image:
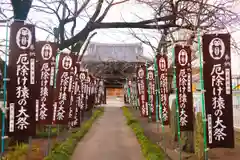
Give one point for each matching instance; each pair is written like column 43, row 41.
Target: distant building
column 115, row 52
column 114, row 62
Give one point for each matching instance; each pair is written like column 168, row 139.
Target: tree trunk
column 187, row 137
column 198, row 137
column 173, row 121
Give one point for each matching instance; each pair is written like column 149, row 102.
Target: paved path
column 109, row 138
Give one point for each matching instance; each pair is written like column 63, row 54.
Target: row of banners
column 35, row 94
column 217, row 89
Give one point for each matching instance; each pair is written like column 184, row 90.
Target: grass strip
column 150, row 150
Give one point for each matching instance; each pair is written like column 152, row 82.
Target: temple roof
column 105, row 52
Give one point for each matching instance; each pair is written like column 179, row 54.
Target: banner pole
column 177, row 105
column 202, row 98
column 4, row 91
column 160, row 103
column 49, row 139
column 148, row 91
column 29, row 147
column 128, row 92
column 158, row 95
column 136, row 94
column 55, row 83
column 137, row 98
column 156, row 88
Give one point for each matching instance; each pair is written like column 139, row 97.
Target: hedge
column 44, row 134
column 64, row 150
column 21, row 152
column 150, row 150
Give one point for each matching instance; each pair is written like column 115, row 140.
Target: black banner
column 141, row 86
column 81, row 94
column 162, row 63
column 72, row 102
column 152, row 93
column 218, row 95
column 64, row 88
column 46, row 54
column 21, row 93
column 76, row 121
column 184, row 86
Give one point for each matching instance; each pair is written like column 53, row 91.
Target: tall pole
column 202, row 98
column 177, row 105
column 5, row 90
column 148, row 92
column 156, row 89
column 158, row 100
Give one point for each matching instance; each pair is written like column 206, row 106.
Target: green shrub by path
column 21, row 152
column 45, row 134
column 150, row 150
column 64, row 150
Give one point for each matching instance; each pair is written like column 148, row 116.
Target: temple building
column 114, row 63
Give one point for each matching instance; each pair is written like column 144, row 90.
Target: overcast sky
column 129, row 11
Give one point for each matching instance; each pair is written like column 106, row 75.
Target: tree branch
column 80, row 37
column 97, row 11
column 84, row 5
column 105, row 25
column 105, row 12
column 86, row 46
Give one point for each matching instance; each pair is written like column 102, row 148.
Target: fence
column 236, row 101
column 236, row 105
column 197, row 100
column 236, row 109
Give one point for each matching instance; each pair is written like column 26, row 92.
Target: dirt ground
column 39, row 148
column 155, row 134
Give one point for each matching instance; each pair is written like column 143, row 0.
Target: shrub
column 60, row 151
column 45, row 134
column 150, row 150
column 20, row 152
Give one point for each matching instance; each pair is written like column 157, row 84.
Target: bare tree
column 170, row 16
column 213, row 16
column 69, row 12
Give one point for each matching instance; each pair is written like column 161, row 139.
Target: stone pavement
column 109, row 138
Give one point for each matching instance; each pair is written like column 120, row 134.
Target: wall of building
column 119, row 92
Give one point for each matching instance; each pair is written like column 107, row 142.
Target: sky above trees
column 130, row 11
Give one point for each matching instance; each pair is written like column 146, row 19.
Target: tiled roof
column 115, row 52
